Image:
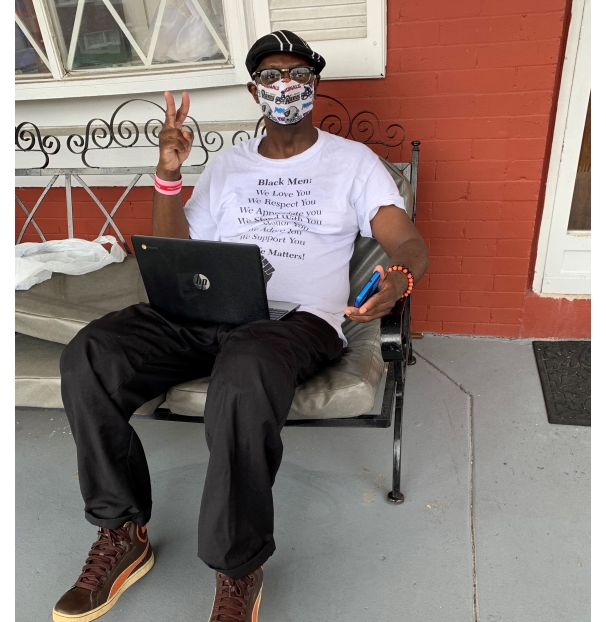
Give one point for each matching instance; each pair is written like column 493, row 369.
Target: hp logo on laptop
column 201, row 282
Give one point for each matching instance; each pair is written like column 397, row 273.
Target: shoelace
column 102, row 556
column 232, row 599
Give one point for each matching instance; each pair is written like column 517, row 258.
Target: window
column 30, row 54
column 75, row 48
column 129, row 33
column 114, row 34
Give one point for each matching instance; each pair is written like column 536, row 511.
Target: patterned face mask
column 286, row 102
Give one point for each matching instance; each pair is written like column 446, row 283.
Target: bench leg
column 411, row 358
column 396, row 496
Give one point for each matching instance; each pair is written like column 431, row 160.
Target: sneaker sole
column 89, row 616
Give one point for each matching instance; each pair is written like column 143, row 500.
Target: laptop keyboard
column 276, row 314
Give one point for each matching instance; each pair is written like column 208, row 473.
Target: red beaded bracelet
column 406, row 271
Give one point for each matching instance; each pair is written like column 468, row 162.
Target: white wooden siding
column 320, row 20
column 350, row 34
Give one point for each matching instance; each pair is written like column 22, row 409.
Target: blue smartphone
column 368, row 290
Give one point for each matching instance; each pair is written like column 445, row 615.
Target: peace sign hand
column 175, row 143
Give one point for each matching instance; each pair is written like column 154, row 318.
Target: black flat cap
column 282, row 41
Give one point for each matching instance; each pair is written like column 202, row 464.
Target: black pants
column 121, row 361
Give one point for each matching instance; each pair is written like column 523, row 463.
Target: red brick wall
column 476, row 82
column 134, row 215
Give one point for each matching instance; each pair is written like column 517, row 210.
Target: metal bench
column 364, row 389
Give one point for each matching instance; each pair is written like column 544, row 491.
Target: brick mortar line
column 437, row 94
column 475, row 43
column 405, row 98
column 473, row 118
column 476, row 617
column 537, row 66
column 443, row 44
column 472, row 17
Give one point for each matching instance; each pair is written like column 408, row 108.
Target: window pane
column 123, row 36
column 27, row 37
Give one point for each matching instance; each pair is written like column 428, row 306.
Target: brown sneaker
column 237, row 600
column 116, row 560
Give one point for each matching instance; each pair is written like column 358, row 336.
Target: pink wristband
column 167, row 187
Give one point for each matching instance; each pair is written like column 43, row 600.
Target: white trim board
column 563, row 264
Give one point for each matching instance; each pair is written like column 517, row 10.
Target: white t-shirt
column 304, row 213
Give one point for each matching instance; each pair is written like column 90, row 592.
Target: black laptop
column 219, row 282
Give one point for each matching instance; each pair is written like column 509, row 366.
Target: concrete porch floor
column 495, row 526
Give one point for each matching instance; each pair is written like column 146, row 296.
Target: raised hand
column 175, row 143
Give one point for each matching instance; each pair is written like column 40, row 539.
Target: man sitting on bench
column 302, row 195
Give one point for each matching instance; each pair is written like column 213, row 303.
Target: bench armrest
column 395, row 331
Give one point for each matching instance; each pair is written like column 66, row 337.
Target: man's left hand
column 391, row 288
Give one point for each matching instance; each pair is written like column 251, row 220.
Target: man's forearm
column 411, row 254
column 168, row 217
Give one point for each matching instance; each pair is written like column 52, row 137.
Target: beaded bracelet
column 406, row 271
column 167, row 187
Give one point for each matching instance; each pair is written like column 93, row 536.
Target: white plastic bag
column 183, row 35
column 36, row 262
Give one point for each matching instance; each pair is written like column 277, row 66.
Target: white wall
column 231, row 103
column 223, row 109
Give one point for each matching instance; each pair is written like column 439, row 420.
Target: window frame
column 245, row 20
column 551, row 276
column 61, row 84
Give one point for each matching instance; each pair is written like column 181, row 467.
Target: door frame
column 550, row 276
